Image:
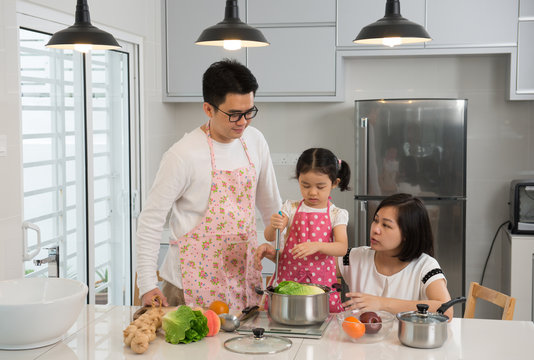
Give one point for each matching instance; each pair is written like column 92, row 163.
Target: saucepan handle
column 336, row 287
column 260, row 291
column 450, row 303
column 248, row 312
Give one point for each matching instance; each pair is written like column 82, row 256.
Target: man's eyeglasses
column 235, row 117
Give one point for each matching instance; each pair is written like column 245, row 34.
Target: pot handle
column 336, row 287
column 450, row 303
column 260, row 291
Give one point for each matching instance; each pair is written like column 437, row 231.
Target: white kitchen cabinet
column 299, row 65
column 291, row 12
column 353, row 15
column 525, row 58
column 518, row 271
column 450, row 23
column 526, row 8
column 185, row 62
column 473, row 23
column 299, row 62
column 524, row 75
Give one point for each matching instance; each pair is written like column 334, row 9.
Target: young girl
column 317, row 230
column 398, row 270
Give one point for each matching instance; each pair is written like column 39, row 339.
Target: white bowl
column 36, row 312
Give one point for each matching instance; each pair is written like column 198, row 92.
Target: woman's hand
column 302, row 250
column 361, row 301
column 146, row 300
column 264, row 250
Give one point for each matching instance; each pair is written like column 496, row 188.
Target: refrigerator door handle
column 364, row 158
column 362, row 223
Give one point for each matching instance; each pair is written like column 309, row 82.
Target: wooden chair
column 136, row 299
column 477, row 291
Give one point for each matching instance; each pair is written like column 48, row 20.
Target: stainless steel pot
column 298, row 309
column 421, row 329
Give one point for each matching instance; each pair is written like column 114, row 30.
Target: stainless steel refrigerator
column 416, row 146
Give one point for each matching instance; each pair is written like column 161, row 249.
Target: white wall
column 10, row 170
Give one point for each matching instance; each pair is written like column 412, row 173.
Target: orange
column 219, row 307
column 353, row 327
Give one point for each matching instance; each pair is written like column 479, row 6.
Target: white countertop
column 97, row 334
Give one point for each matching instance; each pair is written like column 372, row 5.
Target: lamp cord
column 491, row 248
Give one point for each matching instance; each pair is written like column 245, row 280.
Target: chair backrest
column 476, row 291
column 136, row 299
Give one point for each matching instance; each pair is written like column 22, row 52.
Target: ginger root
column 142, row 330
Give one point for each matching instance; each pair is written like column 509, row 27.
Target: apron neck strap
column 212, row 153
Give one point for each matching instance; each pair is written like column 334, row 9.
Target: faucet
column 52, row 260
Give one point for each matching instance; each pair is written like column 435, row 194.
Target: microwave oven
column 522, row 206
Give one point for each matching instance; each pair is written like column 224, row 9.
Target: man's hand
column 146, row 300
column 264, row 250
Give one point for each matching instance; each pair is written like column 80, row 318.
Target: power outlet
column 288, row 159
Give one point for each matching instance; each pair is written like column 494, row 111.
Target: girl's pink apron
column 217, row 255
column 317, row 268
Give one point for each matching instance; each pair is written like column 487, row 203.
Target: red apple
column 373, row 322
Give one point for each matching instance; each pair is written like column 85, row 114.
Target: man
column 211, row 181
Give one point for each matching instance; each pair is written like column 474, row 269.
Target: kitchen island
column 97, row 334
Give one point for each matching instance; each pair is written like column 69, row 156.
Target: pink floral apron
column 317, row 268
column 216, row 256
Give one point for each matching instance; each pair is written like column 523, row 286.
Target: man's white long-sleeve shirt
column 182, row 185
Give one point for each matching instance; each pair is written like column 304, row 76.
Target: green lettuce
column 184, row 325
column 295, row 288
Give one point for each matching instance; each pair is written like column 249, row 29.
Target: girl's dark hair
column 224, row 77
column 414, row 224
column 324, row 161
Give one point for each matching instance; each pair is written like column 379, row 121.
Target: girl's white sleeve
column 339, row 217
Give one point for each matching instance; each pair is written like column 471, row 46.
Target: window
column 78, row 123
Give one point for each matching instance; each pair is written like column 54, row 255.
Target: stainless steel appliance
column 415, row 146
column 522, row 206
column 263, row 320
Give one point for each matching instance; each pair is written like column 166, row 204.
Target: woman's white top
column 410, row 283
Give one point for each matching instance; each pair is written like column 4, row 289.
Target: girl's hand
column 302, row 250
column 361, row 301
column 279, row 221
column 264, row 250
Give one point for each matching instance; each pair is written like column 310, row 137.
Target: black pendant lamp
column 392, row 29
column 232, row 33
column 83, row 36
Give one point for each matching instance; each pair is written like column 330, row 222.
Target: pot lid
column 257, row 343
column 422, row 316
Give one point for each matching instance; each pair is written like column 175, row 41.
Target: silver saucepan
column 299, row 309
column 421, row 329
